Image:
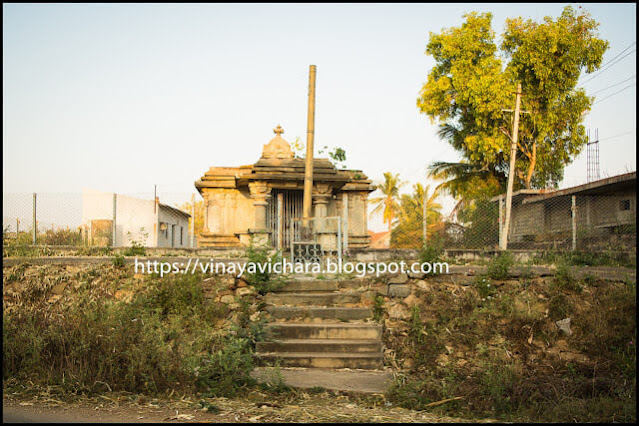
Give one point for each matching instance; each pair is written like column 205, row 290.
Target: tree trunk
column 531, row 168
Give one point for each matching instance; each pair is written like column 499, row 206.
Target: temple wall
column 230, row 211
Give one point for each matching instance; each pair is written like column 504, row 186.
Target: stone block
column 399, row 279
column 398, row 290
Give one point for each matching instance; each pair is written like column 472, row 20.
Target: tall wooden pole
column 511, row 170
column 310, row 134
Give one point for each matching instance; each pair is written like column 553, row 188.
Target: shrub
column 118, row 261
column 564, row 279
column 434, row 250
column 262, row 279
column 484, row 287
column 378, row 308
column 225, row 372
column 498, row 267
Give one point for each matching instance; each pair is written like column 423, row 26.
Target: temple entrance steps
column 321, row 334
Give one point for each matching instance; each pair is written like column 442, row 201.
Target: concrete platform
column 364, row 381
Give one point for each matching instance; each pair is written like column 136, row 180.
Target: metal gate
column 292, row 202
column 315, row 239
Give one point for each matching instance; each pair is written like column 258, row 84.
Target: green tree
column 387, row 203
column 409, row 232
column 473, row 81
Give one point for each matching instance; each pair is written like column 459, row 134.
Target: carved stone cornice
column 260, row 192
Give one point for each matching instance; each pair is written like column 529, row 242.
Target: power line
column 610, row 63
column 609, row 96
column 620, row 53
column 617, row 84
column 615, row 136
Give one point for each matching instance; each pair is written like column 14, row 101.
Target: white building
column 144, row 222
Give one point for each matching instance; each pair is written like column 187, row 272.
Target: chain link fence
column 546, row 221
column 99, row 219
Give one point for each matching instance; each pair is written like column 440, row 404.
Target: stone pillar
column 325, row 232
column 260, row 193
column 321, row 194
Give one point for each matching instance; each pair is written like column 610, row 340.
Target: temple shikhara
column 262, row 200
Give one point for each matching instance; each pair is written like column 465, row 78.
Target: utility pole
column 511, row 170
column 310, row 135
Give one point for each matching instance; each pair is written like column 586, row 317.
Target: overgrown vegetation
column 499, row 267
column 434, row 250
column 493, row 349
column 260, row 277
column 137, row 247
column 151, row 339
column 591, row 258
column 378, row 308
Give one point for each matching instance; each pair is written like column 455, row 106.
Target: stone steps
column 321, row 346
column 336, row 313
column 338, row 339
column 364, row 361
column 313, row 299
column 324, row 331
column 321, row 286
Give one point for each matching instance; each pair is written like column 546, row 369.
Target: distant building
column 380, row 240
column 145, row 222
column 605, row 213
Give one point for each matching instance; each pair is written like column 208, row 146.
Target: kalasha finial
column 278, row 130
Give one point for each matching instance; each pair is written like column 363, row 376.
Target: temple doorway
column 291, row 202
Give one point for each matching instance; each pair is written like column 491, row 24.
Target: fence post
column 574, row 222
column 501, row 220
column 114, row 218
column 35, row 223
column 424, row 218
column 192, row 220
column 17, row 227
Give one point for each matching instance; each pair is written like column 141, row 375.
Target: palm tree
column 411, row 213
column 388, row 201
column 460, row 178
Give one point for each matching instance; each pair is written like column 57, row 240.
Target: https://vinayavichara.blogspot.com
column 284, row 266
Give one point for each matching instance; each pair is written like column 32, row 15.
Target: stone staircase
column 321, row 324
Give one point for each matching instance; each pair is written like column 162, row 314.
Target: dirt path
column 253, row 408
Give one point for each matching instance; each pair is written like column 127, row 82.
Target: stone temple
column 261, row 199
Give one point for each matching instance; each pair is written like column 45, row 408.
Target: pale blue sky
column 122, row 97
